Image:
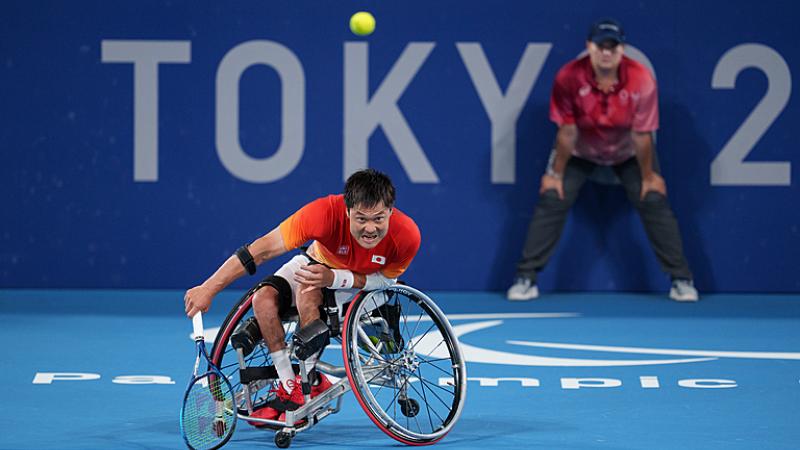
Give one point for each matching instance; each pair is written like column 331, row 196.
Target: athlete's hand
column 653, row 183
column 314, row 276
column 197, row 299
column 550, row 182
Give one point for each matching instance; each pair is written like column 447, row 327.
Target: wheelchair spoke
column 430, row 363
column 429, row 384
column 262, row 353
column 228, row 366
column 416, row 420
column 433, row 385
column 395, row 363
column 419, row 320
column 378, row 373
column 426, row 400
column 381, row 372
column 405, row 323
column 433, row 350
column 379, row 389
column 427, row 405
column 418, row 340
column 443, row 389
column 377, row 308
column 397, row 393
column 394, row 409
column 368, row 356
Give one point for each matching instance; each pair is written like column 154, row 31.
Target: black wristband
column 246, row 258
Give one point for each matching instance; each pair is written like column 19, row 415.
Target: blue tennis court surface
column 567, row 371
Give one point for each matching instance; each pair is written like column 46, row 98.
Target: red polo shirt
column 605, row 120
column 325, row 221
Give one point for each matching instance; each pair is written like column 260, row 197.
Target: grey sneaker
column 683, row 291
column 523, row 289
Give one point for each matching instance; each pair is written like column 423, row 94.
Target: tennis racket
column 208, row 414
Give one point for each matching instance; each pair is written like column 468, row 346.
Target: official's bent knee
column 549, row 200
column 653, row 196
column 652, row 201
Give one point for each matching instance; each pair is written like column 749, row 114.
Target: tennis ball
column 362, row 23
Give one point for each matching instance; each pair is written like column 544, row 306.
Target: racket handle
column 197, row 322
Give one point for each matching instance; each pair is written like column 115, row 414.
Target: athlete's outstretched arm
column 318, row 276
column 263, row 249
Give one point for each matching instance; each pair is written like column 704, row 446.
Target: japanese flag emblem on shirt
column 378, row 259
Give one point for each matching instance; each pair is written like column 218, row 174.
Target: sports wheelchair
column 400, row 357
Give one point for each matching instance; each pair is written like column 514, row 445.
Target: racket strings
column 208, row 414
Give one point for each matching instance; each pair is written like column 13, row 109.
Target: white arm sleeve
column 378, row 281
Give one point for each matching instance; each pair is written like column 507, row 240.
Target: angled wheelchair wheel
column 404, row 364
column 257, row 380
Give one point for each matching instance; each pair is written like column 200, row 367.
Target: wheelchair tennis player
column 360, row 242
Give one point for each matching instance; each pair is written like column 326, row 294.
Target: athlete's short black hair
column 368, row 187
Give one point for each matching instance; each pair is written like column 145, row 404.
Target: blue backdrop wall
column 144, row 141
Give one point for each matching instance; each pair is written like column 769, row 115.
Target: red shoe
column 283, row 401
column 264, row 413
column 322, row 385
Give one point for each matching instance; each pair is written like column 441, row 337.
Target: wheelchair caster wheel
column 283, row 439
column 409, row 407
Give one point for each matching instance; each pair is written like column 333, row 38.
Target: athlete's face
column 605, row 56
column 369, row 224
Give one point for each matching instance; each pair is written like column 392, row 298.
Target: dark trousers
column 551, row 213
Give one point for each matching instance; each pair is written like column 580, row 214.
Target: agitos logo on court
column 475, row 354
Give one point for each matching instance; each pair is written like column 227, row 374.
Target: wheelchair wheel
column 404, row 364
column 224, row 356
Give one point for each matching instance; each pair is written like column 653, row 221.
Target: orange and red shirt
column 325, row 222
column 605, row 120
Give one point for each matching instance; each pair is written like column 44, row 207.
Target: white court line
column 426, row 318
column 553, row 315
column 429, row 345
column 211, row 333
column 662, row 351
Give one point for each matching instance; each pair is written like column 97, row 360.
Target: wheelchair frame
column 406, row 365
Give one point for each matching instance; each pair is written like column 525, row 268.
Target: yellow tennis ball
column 362, row 23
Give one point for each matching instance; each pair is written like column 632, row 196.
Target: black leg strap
column 251, row 374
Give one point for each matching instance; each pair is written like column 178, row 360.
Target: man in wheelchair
column 354, row 248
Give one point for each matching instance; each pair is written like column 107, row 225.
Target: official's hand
column 197, row 299
column 653, row 183
column 550, row 182
column 313, row 277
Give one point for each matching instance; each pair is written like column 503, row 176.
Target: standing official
column 606, row 108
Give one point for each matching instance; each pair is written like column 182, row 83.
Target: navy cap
column 606, row 30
